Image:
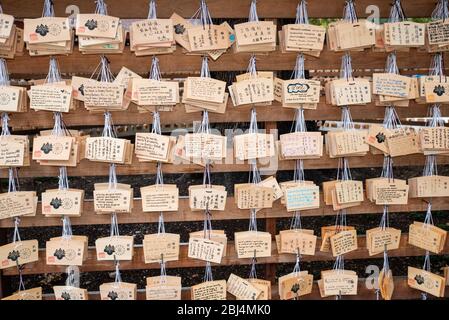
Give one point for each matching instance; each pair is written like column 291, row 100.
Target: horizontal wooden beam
column 219, row 8
column 81, row 117
column 77, row 63
column 89, row 168
column 89, row 217
column 401, row 291
column 91, row 264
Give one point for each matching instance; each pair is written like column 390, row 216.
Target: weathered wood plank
column 77, row 63
column 89, row 168
column 91, row 264
column 232, row 9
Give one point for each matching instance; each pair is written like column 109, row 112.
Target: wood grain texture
column 77, row 63
column 89, row 168
column 81, row 117
column 232, row 8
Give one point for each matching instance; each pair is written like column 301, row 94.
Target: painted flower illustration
column 56, row 203
column 91, row 24
column 47, row 147
column 42, row 30
column 59, row 253
column 14, row 255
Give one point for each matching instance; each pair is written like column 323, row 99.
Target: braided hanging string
column 298, row 173
column 118, row 276
column 155, row 71
column 297, row 268
column 346, row 118
column 4, row 81
column 207, row 232
column 53, row 75
column 160, row 182
column 205, row 124
column 343, row 170
column 343, row 174
column 391, row 121
column 298, row 125
column 59, row 129
column 253, row 270
column 254, row 174
column 302, row 16
column 434, row 113
column 155, row 74
column 441, row 11
column 252, row 69
column 71, row 278
column 152, row 13
column 202, row 16
column 13, row 180
column 48, row 10
column 396, row 12
column 163, row 275
column 109, row 131
column 349, row 13
column 4, row 74
column 391, row 65
column 101, row 7
column 205, row 128
column 430, row 167
column 5, row 126
column 13, row 186
column 253, row 16
column 103, row 73
column 346, row 67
